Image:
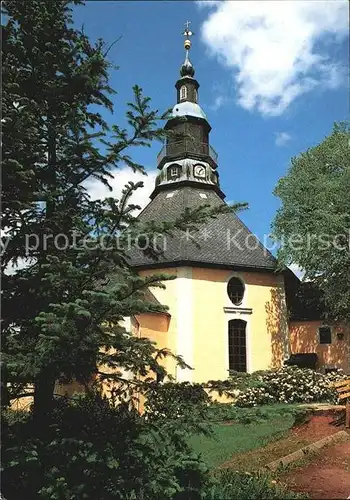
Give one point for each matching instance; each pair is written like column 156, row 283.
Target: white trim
column 225, row 344
column 184, row 291
column 242, row 311
column 238, row 310
column 248, row 346
column 183, row 92
column 245, row 318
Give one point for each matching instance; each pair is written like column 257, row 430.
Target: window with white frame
column 183, row 92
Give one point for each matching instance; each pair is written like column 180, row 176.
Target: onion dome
column 187, row 68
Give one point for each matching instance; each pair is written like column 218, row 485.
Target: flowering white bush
column 289, row 385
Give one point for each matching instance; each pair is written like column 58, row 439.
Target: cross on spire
column 187, row 33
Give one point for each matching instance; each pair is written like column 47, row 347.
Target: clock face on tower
column 199, row 171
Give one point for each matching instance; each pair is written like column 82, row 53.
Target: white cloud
column 207, row 3
column 219, row 101
column 282, row 139
column 274, row 47
column 298, row 271
column 98, row 191
column 121, row 177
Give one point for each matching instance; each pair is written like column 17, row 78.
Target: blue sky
column 272, row 81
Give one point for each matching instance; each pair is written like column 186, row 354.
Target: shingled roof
column 223, row 242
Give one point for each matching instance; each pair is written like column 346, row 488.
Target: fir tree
column 55, row 307
column 63, row 310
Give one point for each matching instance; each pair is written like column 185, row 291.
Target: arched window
column 235, row 291
column 183, row 92
column 237, row 348
column 195, row 95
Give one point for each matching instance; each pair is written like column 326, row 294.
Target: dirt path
column 326, row 477
column 322, row 476
column 316, row 428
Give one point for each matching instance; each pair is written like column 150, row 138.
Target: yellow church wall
column 164, row 334
column 304, row 338
column 269, row 344
column 210, row 332
column 267, row 341
column 198, row 326
column 155, row 328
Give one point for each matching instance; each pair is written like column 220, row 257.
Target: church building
column 228, row 309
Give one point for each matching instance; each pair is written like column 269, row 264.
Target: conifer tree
column 62, row 311
column 55, row 307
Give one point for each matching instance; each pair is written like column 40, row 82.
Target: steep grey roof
column 211, row 245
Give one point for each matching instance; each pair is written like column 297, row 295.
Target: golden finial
column 187, row 34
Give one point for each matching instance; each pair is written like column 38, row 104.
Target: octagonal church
column 228, row 305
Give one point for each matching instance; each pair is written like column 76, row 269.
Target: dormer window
column 173, row 172
column 183, row 92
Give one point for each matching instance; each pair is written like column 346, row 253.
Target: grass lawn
column 231, row 438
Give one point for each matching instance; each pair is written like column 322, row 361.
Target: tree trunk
column 43, row 398
column 5, row 399
column 45, row 382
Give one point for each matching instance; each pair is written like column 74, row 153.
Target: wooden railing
column 187, row 146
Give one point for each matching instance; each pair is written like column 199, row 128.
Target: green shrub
column 289, row 384
column 185, row 402
column 237, row 382
column 92, row 450
column 229, row 485
column 220, row 412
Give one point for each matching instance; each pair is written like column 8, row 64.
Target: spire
column 187, row 68
column 187, row 157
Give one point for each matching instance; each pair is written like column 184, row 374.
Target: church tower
column 227, row 309
column 187, row 158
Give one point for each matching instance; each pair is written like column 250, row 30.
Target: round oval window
column 235, row 291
